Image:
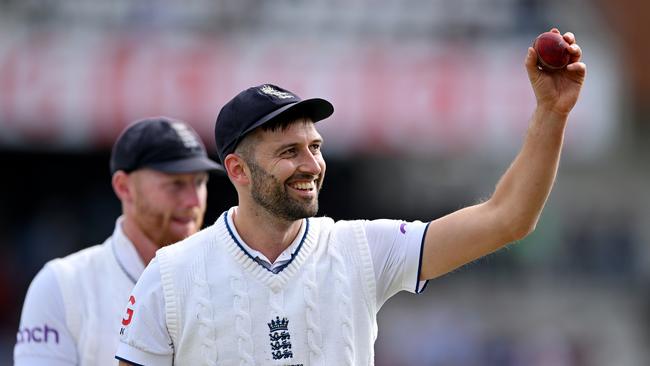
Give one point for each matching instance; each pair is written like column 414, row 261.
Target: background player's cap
column 259, row 105
column 161, row 144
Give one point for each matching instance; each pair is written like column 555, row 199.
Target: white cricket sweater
column 222, row 307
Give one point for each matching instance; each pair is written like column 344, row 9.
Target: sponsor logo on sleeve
column 37, row 334
column 129, row 312
column 129, row 315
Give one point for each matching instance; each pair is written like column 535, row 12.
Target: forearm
column 516, row 204
column 522, row 191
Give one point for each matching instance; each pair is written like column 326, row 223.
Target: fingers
column 579, row 68
column 531, row 57
column 574, row 50
column 569, row 37
column 531, row 64
column 575, row 66
column 576, row 53
column 577, row 72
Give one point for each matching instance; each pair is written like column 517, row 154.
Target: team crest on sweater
column 280, row 340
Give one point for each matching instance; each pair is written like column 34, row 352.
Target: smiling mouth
column 303, row 186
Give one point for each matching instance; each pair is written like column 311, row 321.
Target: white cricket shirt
column 72, row 310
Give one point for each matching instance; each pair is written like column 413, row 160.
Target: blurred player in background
column 74, row 305
column 270, row 284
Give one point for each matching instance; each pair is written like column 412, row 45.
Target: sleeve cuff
column 138, row 357
column 411, row 281
column 421, row 285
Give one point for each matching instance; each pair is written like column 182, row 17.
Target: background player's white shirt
column 72, row 308
column 396, row 258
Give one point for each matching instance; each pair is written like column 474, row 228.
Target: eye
column 289, row 152
column 315, row 148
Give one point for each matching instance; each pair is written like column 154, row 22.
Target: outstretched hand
column 557, row 90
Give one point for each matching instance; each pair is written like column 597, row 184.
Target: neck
column 264, row 232
column 145, row 247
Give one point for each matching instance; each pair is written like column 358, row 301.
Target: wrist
column 549, row 115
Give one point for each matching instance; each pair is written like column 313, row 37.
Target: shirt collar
column 283, row 258
column 125, row 253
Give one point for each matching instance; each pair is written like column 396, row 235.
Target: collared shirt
column 44, row 336
column 283, row 258
column 125, row 253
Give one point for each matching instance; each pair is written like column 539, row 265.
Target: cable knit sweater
column 222, row 307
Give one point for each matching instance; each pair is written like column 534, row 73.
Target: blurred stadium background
column 432, row 102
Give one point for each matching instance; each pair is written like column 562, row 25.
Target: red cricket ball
column 552, row 51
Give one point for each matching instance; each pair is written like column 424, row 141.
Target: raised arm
column 512, row 211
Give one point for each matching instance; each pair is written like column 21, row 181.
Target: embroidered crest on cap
column 269, row 90
column 189, row 140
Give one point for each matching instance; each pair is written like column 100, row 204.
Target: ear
column 237, row 169
column 121, row 186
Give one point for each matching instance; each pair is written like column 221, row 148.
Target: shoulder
column 194, row 242
column 44, row 286
column 343, row 232
column 380, row 227
column 77, row 263
column 324, row 225
column 180, row 256
column 62, row 275
column 346, row 227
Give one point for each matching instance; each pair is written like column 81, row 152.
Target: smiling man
column 73, row 308
column 270, row 284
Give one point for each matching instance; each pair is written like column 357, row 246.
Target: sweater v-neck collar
column 284, row 272
column 285, row 256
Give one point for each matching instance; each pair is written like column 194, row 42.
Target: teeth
column 303, row 185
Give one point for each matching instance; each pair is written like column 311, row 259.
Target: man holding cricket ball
column 270, row 284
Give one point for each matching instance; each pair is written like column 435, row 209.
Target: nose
column 192, row 195
column 311, row 163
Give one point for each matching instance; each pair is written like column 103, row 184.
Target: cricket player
column 73, row 308
column 270, row 284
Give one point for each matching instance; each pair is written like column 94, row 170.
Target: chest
column 95, row 318
column 314, row 313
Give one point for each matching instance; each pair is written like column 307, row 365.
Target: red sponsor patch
column 129, row 312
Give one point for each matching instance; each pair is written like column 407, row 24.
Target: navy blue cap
column 162, row 144
column 259, row 105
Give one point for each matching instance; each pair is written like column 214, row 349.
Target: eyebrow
column 293, row 144
column 285, row 146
